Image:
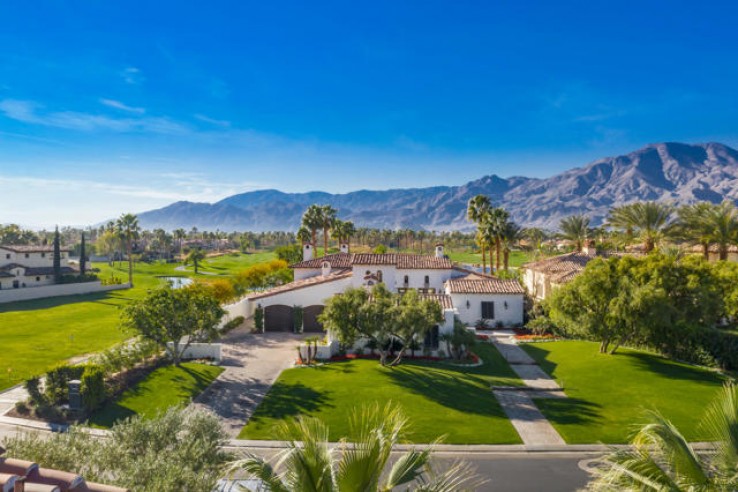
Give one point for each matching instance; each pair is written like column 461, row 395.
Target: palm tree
column 194, row 257
column 129, row 227
column 303, row 235
column 309, row 463
column 498, row 219
column 179, row 235
column 329, row 216
column 661, row 459
column 312, row 219
column 511, row 234
column 647, row 219
column 476, row 210
column 722, row 224
column 535, row 236
column 575, row 228
column 691, row 225
column 344, row 230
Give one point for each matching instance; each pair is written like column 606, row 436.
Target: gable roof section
column 484, row 286
column 338, row 260
column 301, row 284
column 443, row 299
column 561, row 268
column 31, row 248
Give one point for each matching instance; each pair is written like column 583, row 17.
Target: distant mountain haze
column 672, row 172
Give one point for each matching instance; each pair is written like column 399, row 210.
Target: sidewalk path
column 518, row 404
column 252, row 363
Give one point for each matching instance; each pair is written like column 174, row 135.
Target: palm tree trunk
column 706, row 250
column 497, row 253
column 325, row 241
column 507, row 259
column 484, row 261
column 130, row 263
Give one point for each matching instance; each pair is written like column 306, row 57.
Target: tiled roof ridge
column 301, row 284
column 484, row 286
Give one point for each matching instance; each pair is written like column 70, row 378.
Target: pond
column 177, row 282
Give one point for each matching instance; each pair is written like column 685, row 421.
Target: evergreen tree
column 82, row 256
column 57, row 256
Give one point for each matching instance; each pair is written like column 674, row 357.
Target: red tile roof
column 301, row 284
column 401, row 261
column 443, row 299
column 37, row 479
column 561, row 268
column 338, row 260
column 484, row 286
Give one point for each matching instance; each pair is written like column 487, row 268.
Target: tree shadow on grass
column 565, row 411
column 286, row 400
column 467, row 393
column 52, row 302
column 671, row 370
column 540, row 356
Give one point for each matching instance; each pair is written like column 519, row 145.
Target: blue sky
column 110, row 106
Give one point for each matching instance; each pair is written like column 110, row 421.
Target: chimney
column 326, row 268
column 439, row 250
column 344, row 248
column 589, row 248
column 307, row 252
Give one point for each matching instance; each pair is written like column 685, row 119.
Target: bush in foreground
column 179, row 450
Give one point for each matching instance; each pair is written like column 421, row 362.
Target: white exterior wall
column 536, row 284
column 417, row 279
column 301, row 273
column 388, row 274
column 202, row 351
column 34, row 260
column 12, row 295
column 307, row 296
column 512, row 316
column 25, row 280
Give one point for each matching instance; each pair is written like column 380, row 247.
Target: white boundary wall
column 28, row 293
column 202, row 351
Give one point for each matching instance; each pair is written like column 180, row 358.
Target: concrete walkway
column 532, row 426
column 252, row 363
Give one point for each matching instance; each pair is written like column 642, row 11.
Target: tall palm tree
column 575, row 228
column 691, row 225
column 476, row 211
column 129, row 227
column 661, row 459
column 722, row 223
column 498, row 218
column 344, row 230
column 329, row 217
column 511, row 234
column 485, row 237
column 179, row 235
column 303, row 235
column 312, row 219
column 648, row 219
column 309, row 463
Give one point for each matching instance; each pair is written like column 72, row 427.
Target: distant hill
column 675, row 172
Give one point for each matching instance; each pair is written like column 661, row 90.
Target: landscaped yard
column 608, row 394
column 438, row 398
column 37, row 335
column 165, row 387
column 517, row 258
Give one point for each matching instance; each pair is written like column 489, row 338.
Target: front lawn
column 37, row 335
column 437, row 398
column 165, row 387
column 608, row 394
column 517, row 258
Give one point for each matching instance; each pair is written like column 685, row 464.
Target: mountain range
column 674, row 172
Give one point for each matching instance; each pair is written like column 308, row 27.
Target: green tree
column 661, row 459
column 57, row 256
column 129, row 228
column 194, row 258
column 511, row 234
column 312, row 220
column 82, row 256
column 341, row 315
column 174, row 318
column 309, row 463
column 303, row 236
column 328, row 218
column 575, row 228
column 647, row 220
column 414, row 317
column 476, row 210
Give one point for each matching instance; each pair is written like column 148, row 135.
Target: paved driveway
column 252, row 363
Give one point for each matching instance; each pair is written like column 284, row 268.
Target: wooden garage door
column 278, row 318
column 310, row 319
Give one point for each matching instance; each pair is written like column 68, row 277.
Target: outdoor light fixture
column 468, row 304
column 505, row 304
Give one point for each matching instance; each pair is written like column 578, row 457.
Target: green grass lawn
column 165, row 387
column 36, row 335
column 608, row 394
column 437, row 398
column 517, row 258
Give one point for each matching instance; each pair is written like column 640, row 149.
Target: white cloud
column 112, row 103
column 31, row 112
column 132, row 75
column 213, row 121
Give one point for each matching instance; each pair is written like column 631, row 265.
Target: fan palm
column 648, row 219
column 309, row 463
column 476, row 210
column 497, row 219
column 303, row 235
column 575, row 228
column 195, row 257
column 312, row 219
column 661, row 459
column 722, row 224
column 328, row 218
column 511, row 234
column 129, row 228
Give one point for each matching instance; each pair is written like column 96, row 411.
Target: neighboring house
column 468, row 295
column 30, row 266
column 713, row 253
column 541, row 277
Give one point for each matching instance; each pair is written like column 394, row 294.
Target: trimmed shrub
column 33, row 387
column 93, row 387
column 232, row 324
column 57, row 382
column 259, row 319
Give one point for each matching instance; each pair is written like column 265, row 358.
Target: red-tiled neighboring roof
column 35, row 478
column 484, row 286
column 561, row 268
column 30, row 271
column 301, row 284
column 443, row 299
column 30, row 249
column 401, row 261
column 338, row 260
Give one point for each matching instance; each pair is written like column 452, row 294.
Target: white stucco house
column 470, row 296
column 30, row 266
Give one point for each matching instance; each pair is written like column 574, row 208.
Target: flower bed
column 484, row 338
column 530, row 338
column 337, row 358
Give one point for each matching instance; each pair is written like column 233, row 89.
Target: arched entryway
column 278, row 318
column 310, row 319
